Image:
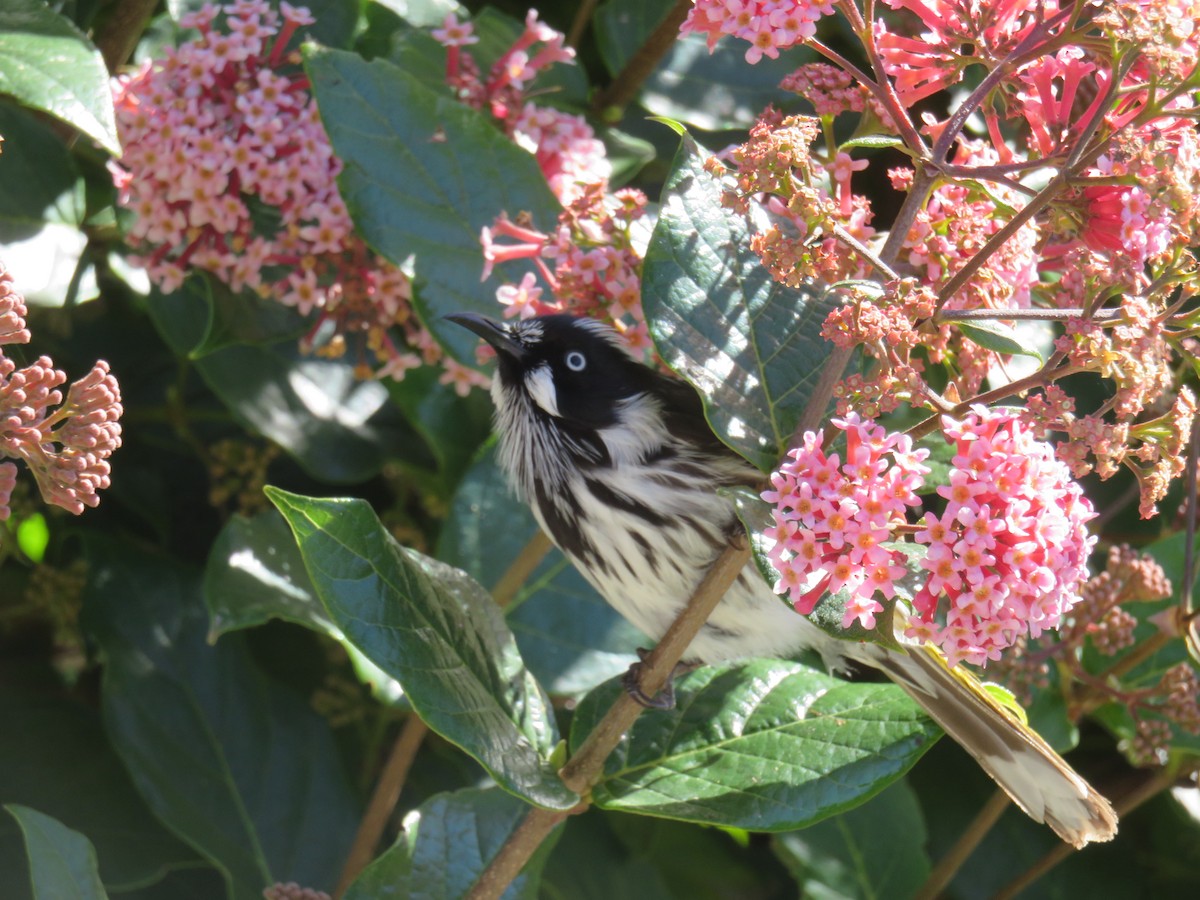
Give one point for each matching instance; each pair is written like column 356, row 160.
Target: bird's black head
column 573, row 369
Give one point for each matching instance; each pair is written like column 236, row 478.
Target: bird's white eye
column 576, row 361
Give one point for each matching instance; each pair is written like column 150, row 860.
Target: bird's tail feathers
column 1037, row 779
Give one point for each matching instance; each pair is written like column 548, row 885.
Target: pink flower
column 768, row 25
column 831, row 519
column 1009, row 555
column 454, row 33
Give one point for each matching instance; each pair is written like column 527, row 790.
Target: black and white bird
column 621, row 470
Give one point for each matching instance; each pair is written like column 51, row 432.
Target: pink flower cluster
column 565, row 146
column 768, row 25
column 595, row 268
column 221, row 136
column 832, row 519
column 1006, row 557
column 65, row 444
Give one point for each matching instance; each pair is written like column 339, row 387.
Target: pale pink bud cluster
column 832, row 518
column 1008, row 555
column 768, row 25
column 65, row 444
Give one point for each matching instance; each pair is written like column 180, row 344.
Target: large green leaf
column 57, row 736
column 423, row 174
column 423, row 12
column 42, row 205
column 874, row 851
column 237, row 765
column 255, row 573
column 569, row 637
column 446, row 844
column 47, row 63
column 751, row 345
column 712, row 91
column 766, row 745
column 337, row 426
column 439, row 634
column 62, row 862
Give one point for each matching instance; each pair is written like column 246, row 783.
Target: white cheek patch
column 539, row 384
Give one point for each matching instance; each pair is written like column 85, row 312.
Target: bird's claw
column 665, row 698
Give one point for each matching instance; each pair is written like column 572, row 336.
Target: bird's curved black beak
column 491, row 331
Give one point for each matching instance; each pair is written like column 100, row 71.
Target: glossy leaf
column 765, row 745
column 234, row 763
column 62, row 862
column 569, row 637
column 874, row 851
column 255, row 573
column 751, row 345
column 42, row 205
column 337, row 426
column 445, row 845
column 423, row 174
column 439, row 634
column 709, row 90
column 47, row 63
column 997, row 336
column 423, row 12
column 56, row 736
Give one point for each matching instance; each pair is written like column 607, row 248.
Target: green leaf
column 873, row 142
column 445, row 845
column 765, row 745
column 255, row 573
column 32, row 536
column 712, row 91
column 998, row 337
column 62, row 862
column 751, row 345
column 874, row 851
column 57, row 736
column 42, row 205
column 422, row 12
column 245, row 318
column 238, row 766
column 422, row 56
column 337, row 426
column 47, row 63
column 568, row 636
column 423, row 174
column 439, row 634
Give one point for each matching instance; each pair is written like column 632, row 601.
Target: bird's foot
column 665, row 698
